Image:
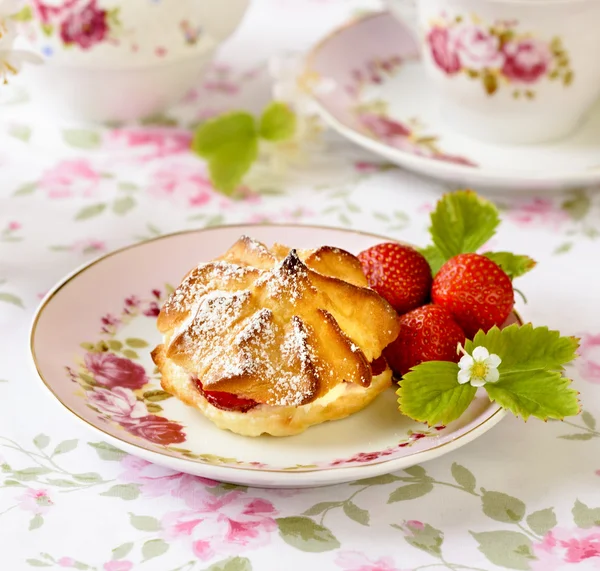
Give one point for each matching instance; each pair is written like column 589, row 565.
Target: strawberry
column 225, row 401
column 426, row 334
column 398, row 273
column 475, row 291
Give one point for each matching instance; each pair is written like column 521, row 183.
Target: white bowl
column 121, row 60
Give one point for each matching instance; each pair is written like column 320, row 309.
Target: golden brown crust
column 273, row 420
column 335, row 263
column 277, row 326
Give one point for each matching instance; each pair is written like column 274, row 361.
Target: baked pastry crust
column 284, row 328
column 344, row 400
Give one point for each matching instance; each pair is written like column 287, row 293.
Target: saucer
column 368, row 84
column 91, row 341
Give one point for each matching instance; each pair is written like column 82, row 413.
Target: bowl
column 121, row 60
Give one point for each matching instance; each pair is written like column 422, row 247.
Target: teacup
column 118, row 60
column 509, row 71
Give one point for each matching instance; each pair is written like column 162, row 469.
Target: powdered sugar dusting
column 217, row 312
column 253, row 244
column 289, row 278
column 295, row 344
column 260, row 324
column 296, row 349
column 204, row 278
column 233, row 334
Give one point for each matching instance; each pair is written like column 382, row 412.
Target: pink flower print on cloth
column 151, row 142
column 563, row 549
column 35, row 501
column 118, row 566
column 588, row 363
column 539, row 212
column 221, row 525
column 155, row 481
column 70, row 178
column 356, row 561
column 183, row 184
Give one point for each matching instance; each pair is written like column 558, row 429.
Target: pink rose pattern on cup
column 497, row 55
column 78, row 23
column 84, row 24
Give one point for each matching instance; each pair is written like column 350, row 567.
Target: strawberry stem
column 521, row 294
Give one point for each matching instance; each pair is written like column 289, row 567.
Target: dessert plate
column 91, row 340
column 368, row 84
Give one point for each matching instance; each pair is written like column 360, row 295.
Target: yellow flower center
column 479, row 370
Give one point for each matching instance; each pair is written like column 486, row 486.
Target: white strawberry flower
column 11, row 59
column 292, row 85
column 479, row 368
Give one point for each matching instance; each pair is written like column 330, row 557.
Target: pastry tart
column 275, row 340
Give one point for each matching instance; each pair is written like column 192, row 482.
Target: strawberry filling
column 225, row 401
column 229, row 401
column 378, row 366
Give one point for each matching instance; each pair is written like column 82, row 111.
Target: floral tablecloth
column 523, row 496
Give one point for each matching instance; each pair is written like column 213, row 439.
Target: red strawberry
column 225, row 401
column 426, row 334
column 475, row 291
column 398, row 273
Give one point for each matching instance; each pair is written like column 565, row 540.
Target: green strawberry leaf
column 430, row 393
column 210, row 137
column 526, row 348
column 531, row 381
column 277, row 123
column 435, row 258
column 513, row 265
column 227, row 169
column 229, row 143
column 543, row 394
column 462, row 222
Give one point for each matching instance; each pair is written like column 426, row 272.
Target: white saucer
column 378, row 97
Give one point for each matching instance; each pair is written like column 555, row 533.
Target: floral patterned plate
column 368, row 84
column 91, row 341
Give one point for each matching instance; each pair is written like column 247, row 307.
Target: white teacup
column 118, row 60
column 509, row 71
